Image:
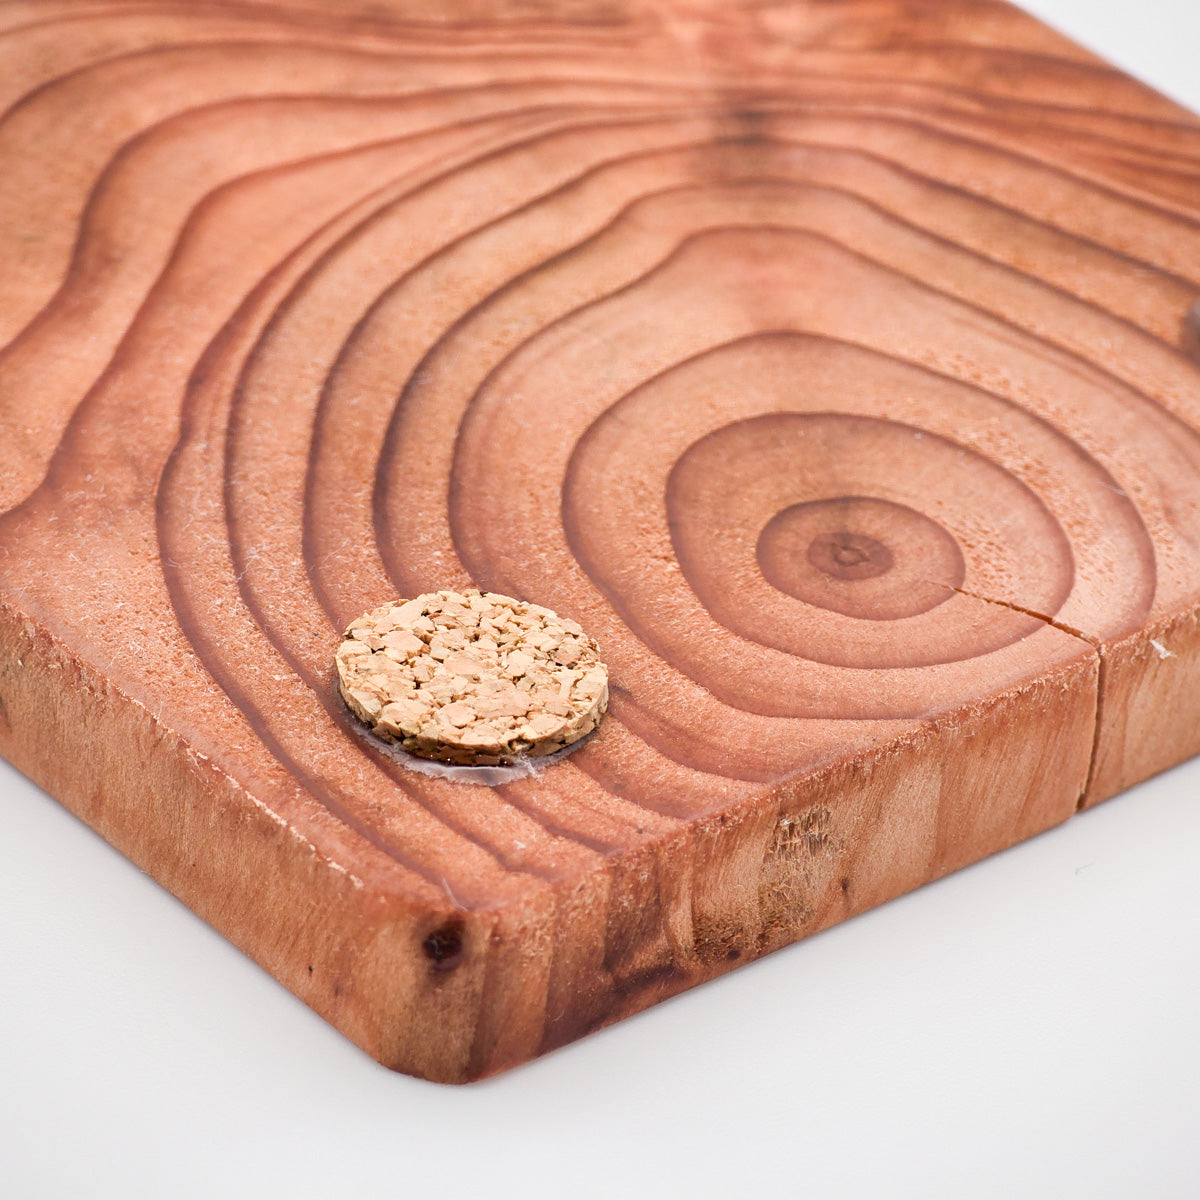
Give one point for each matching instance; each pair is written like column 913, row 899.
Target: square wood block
column 830, row 362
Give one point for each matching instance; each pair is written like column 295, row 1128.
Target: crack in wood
column 1101, row 670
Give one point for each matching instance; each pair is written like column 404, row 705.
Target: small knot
column 849, row 556
column 846, row 555
column 444, row 946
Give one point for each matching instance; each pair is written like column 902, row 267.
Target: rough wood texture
column 830, row 362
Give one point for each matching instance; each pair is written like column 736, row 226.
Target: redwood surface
column 830, row 362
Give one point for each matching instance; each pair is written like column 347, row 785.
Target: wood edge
column 567, row 958
column 1058, row 39
column 353, row 954
column 748, row 880
column 1149, row 705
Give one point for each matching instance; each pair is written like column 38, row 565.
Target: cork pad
column 828, row 362
column 472, row 678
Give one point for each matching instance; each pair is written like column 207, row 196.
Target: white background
column 1026, row 1028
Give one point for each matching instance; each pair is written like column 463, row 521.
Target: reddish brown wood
column 831, row 362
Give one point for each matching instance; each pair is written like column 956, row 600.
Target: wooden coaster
column 835, row 364
column 472, row 678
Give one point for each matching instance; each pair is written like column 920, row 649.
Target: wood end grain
column 823, row 360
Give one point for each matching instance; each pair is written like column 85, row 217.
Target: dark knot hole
column 444, row 946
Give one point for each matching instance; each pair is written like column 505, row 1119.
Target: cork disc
column 472, row 677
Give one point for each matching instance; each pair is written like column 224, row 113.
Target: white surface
column 1025, row 1028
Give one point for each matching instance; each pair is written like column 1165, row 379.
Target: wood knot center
column 862, row 556
column 846, row 555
